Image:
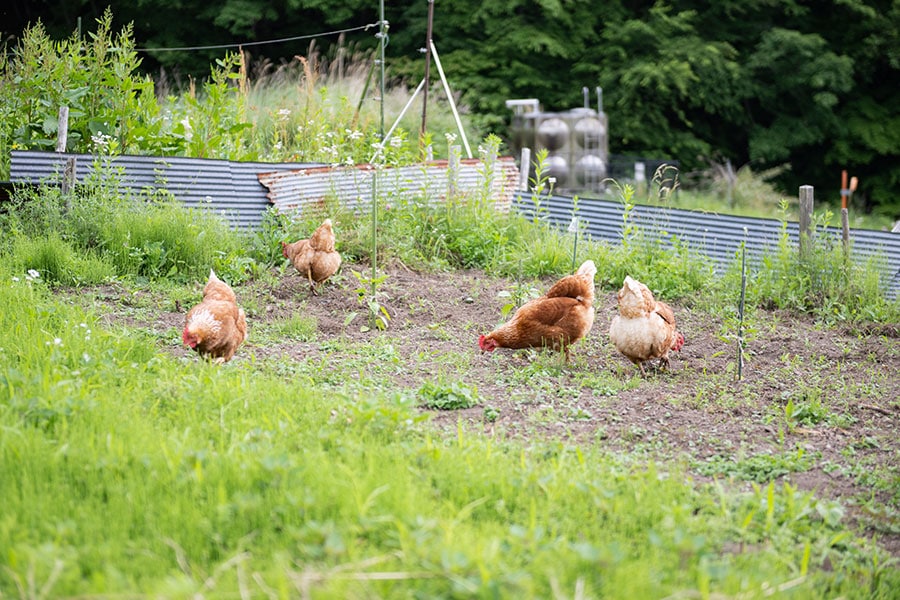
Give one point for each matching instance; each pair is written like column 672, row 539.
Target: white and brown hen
column 645, row 328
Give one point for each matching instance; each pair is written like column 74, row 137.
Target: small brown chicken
column 316, row 257
column 644, row 329
column 217, row 326
column 558, row 319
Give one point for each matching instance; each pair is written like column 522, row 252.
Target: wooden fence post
column 806, row 212
column 453, row 172
column 62, row 129
column 524, row 169
column 62, row 136
column 845, row 230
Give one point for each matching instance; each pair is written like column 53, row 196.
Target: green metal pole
column 382, row 35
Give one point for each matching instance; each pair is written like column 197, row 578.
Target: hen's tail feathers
column 579, row 286
column 587, row 268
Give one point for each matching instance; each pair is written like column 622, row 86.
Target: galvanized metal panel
column 713, row 236
column 294, row 190
column 229, row 188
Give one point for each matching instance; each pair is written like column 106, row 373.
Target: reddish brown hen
column 557, row 319
column 217, row 326
column 315, row 258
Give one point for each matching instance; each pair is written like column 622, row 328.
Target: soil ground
column 842, row 384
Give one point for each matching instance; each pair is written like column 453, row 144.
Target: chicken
column 557, row 319
column 217, row 326
column 316, row 257
column 644, row 329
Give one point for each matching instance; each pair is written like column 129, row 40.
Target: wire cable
column 241, row 45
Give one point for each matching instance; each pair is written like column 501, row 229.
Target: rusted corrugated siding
column 297, row 189
column 243, row 191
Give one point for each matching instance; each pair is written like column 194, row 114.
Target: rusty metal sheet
column 354, row 186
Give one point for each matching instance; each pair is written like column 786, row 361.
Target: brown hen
column 315, row 258
column 557, row 319
column 217, row 326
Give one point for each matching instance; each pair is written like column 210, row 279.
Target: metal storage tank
column 576, row 141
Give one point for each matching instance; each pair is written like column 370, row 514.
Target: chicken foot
column 312, row 284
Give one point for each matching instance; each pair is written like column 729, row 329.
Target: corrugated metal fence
column 236, row 190
column 227, row 187
column 243, row 191
column 715, row 236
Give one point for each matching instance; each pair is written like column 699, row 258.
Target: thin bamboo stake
column 462, row 132
column 427, row 67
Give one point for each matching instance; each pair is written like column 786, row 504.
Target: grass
column 129, row 471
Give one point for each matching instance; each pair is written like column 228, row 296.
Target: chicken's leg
column 312, row 285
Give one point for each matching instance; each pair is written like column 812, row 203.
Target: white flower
column 188, row 130
column 396, row 142
column 283, row 114
column 15, row 278
column 552, row 180
column 101, row 140
column 57, row 341
column 33, row 274
column 86, row 357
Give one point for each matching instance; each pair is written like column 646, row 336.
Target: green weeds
column 133, row 471
column 452, row 396
column 759, row 468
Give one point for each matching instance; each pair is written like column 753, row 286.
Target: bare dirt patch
column 828, row 396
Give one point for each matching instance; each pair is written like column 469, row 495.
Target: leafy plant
column 759, row 468
column 520, row 294
column 454, row 396
column 379, row 317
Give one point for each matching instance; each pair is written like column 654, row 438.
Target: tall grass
column 127, row 471
column 96, row 235
column 824, row 283
column 310, row 110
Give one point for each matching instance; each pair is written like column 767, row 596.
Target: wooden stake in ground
column 62, row 129
column 806, row 212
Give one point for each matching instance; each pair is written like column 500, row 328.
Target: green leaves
column 453, row 396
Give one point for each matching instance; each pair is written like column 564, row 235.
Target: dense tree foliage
column 806, row 84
